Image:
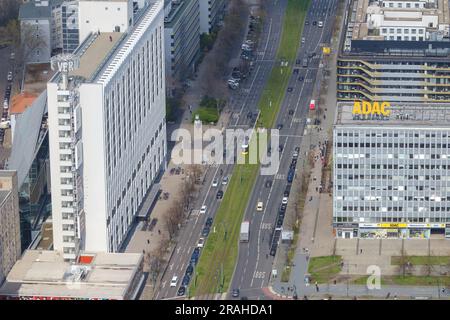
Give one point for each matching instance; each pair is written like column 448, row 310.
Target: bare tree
column 31, row 41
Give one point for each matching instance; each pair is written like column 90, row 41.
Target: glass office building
column 392, row 173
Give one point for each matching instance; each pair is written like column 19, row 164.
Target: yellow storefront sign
column 372, row 108
column 394, row 225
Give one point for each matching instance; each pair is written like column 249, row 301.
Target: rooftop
column 401, row 114
column 21, row 102
column 95, row 53
column 36, row 77
column 97, row 276
column 29, row 10
column 368, row 14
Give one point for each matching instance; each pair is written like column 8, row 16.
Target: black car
column 268, row 183
column 294, row 161
column 297, row 149
column 286, row 193
column 186, row 280
column 314, row 23
column 205, row 231
column 197, row 251
column 235, row 293
column 219, row 195
column 279, row 222
column 280, row 126
column 291, row 112
column 273, row 251
column 298, row 61
column 281, row 214
column 306, row 23
column 209, row 222
column 189, row 270
column 296, row 70
column 194, row 258
column 290, row 89
column 301, row 78
column 181, row 291
column 283, row 207
column 311, row 54
column 280, row 148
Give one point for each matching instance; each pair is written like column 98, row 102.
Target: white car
column 285, row 200
column 259, row 206
column 10, row 76
column 203, row 209
column 320, row 24
column 173, row 282
column 303, row 40
column 215, row 182
column 225, row 181
column 201, row 243
column 5, row 104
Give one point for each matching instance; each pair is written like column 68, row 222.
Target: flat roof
column 96, row 53
column 366, row 7
column 36, row 77
column 43, row 273
column 401, row 114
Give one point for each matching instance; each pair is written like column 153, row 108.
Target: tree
column 404, row 263
column 31, row 40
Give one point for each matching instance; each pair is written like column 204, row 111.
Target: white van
column 320, row 24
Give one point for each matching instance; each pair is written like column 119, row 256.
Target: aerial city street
column 225, row 150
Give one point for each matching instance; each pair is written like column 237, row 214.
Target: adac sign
column 371, row 108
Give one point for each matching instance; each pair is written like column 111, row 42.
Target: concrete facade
column 107, row 135
column 9, row 222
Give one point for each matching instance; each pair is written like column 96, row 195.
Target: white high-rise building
column 106, row 114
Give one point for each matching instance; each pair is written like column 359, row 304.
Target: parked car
column 209, row 222
column 181, row 291
column 201, row 243
column 189, row 270
column 9, row 77
column 284, row 200
column 205, row 231
column 215, row 182
column 186, row 280
column 219, row 195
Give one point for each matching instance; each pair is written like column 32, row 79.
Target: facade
column 70, row 27
column 107, row 134
column 395, row 51
column 391, row 173
column 211, row 12
column 9, row 222
column 44, row 275
column 182, row 38
column 104, row 16
column 36, row 30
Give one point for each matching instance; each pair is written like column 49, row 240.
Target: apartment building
column 391, row 172
column 395, row 51
column 107, row 134
column 182, row 38
column 9, row 222
column 211, row 12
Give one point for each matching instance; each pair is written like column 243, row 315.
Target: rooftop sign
column 371, row 108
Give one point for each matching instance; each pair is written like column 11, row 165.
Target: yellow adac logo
column 371, row 108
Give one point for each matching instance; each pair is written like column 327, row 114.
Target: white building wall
column 104, row 16
column 94, row 180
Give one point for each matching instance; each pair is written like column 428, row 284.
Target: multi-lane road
column 242, row 102
column 254, row 263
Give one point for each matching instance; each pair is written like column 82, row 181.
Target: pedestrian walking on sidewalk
column 360, row 251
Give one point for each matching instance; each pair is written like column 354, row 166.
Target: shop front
column 346, row 230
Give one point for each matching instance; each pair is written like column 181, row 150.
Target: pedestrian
column 360, row 251
column 159, row 231
column 148, row 241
